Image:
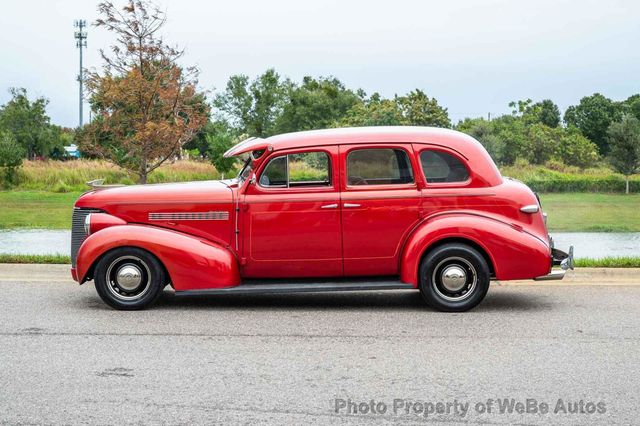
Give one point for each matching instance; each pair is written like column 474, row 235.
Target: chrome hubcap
column 129, row 277
column 454, row 278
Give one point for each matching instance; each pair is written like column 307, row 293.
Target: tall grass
column 68, row 176
column 556, row 177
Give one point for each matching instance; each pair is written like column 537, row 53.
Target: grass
column 589, row 212
column 609, row 262
column 71, row 176
column 60, row 259
column 36, row 209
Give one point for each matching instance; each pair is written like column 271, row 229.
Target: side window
column 440, row 167
column 378, row 166
column 308, row 169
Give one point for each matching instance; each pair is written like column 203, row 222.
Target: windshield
column 245, row 171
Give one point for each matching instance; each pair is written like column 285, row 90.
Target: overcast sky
column 474, row 56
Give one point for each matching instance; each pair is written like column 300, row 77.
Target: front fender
column 514, row 254
column 192, row 263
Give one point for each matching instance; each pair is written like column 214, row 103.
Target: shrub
column 11, row 155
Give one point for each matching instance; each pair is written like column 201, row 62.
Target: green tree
column 624, row 139
column 219, row 139
column 593, row 116
column 576, row 150
column 376, row 112
column 542, row 143
column 417, row 109
column 11, row 155
column 28, row 123
column 483, row 131
column 315, row 104
column 252, row 107
column 631, row 105
column 413, row 109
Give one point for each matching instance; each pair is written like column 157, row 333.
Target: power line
column 81, row 41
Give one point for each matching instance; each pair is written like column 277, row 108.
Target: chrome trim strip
column 169, row 216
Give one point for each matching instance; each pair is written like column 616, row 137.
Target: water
column 587, row 244
column 35, row 241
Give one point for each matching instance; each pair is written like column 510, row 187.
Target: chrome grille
column 77, row 231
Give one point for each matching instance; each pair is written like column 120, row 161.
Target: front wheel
column 129, row 278
column 454, row 277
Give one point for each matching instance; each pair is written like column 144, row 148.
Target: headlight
column 87, row 224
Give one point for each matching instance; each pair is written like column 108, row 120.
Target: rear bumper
column 558, row 258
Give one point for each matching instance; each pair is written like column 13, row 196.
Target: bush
column 11, row 155
column 569, row 179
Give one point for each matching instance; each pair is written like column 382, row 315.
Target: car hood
column 163, row 194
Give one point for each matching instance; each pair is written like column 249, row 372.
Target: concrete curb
column 580, row 277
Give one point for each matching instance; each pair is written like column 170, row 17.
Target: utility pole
column 81, row 41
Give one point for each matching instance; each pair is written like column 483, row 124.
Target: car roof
column 352, row 135
column 485, row 171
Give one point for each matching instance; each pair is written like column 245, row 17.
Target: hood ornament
column 97, row 184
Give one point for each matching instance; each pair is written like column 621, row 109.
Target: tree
column 315, row 104
column 624, row 139
column 219, row 139
column 146, row 107
column 542, row 143
column 413, row 109
column 28, row 123
column 376, row 112
column 11, row 155
column 593, row 116
column 418, row 109
column 252, row 107
column 483, row 131
column 576, row 150
column 544, row 112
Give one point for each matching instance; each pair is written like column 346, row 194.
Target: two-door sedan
column 331, row 210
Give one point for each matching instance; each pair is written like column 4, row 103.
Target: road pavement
column 339, row 358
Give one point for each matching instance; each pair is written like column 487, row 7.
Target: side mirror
column 253, row 179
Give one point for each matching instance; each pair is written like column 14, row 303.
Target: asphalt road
column 67, row 358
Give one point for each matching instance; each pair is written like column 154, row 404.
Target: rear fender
column 192, row 263
column 514, row 253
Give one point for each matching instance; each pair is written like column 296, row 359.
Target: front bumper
column 558, row 258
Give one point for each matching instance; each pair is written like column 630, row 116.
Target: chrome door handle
column 329, row 206
column 350, row 205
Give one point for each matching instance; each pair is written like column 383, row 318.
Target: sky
column 473, row 56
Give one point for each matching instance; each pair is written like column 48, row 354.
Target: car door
column 292, row 216
column 380, row 204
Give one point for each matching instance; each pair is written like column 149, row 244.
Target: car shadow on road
column 387, row 300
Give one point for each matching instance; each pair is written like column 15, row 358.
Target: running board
column 304, row 287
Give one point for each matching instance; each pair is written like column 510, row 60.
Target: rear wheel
column 129, row 278
column 454, row 277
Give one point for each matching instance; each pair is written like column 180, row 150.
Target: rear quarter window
column 442, row 167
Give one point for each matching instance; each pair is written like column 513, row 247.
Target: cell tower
column 81, row 41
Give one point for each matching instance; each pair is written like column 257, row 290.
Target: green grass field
column 36, row 209
column 592, row 212
column 567, row 211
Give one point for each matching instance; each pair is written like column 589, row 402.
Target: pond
column 586, row 244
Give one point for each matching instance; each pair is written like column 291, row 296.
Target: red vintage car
column 332, row 210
